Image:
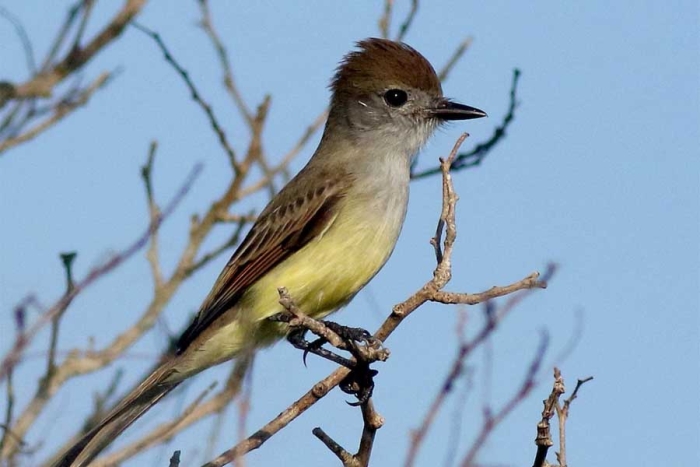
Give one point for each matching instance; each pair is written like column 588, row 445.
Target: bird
column 323, row 237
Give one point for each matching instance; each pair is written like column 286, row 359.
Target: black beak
column 448, row 110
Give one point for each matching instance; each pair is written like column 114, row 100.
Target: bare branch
column 466, row 348
column 230, row 85
column 371, row 422
column 491, row 420
column 428, row 292
column 299, row 319
column 61, row 110
column 196, row 96
column 152, row 254
column 75, row 364
column 385, row 20
column 474, row 157
column 23, row 38
column 456, row 56
column 67, row 260
column 9, row 408
column 562, row 417
column 87, row 11
column 175, row 459
column 62, row 34
column 195, row 411
column 82, row 364
column 551, row 406
column 544, row 435
column 216, row 252
column 406, row 25
column 42, row 84
column 284, row 163
column 344, row 456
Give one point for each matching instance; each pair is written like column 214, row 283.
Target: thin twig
column 98, row 272
column 491, row 420
column 400, row 312
column 371, row 422
column 544, row 435
column 67, row 260
column 299, row 319
column 87, row 11
column 474, row 157
column 196, row 96
column 385, row 20
column 230, row 86
column 152, row 254
column 367, row 353
column 23, row 38
column 61, row 110
column 9, row 407
column 174, row 459
column 229, row 83
column 216, row 252
column 406, row 25
column 162, row 433
column 456, row 56
column 284, row 163
column 344, row 456
column 75, row 364
column 466, row 348
column 563, row 416
column 42, row 84
column 62, row 34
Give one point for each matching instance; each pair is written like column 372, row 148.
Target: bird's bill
column 448, row 110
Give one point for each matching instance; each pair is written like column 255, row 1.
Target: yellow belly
column 321, row 277
column 329, row 271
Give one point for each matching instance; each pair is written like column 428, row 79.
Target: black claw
column 296, row 338
column 359, row 342
column 359, row 383
column 317, row 344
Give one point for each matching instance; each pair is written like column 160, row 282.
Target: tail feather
column 135, row 404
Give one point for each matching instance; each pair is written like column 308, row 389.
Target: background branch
column 53, row 71
column 429, row 292
column 474, row 157
column 29, row 111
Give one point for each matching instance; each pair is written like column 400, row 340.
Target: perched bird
column 324, row 236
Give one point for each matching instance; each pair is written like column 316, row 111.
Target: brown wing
column 294, row 217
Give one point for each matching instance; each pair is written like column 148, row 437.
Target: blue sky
column 599, row 173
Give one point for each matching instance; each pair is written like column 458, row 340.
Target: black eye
column 395, row 97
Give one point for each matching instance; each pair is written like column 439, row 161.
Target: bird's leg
column 296, row 338
column 297, row 330
column 364, row 347
column 359, row 342
column 360, row 381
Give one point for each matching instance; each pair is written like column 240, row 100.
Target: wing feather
column 292, row 219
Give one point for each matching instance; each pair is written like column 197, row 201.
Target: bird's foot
column 359, row 383
column 359, row 342
column 364, row 347
column 296, row 337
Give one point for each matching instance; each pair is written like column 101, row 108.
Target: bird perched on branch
column 323, row 236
